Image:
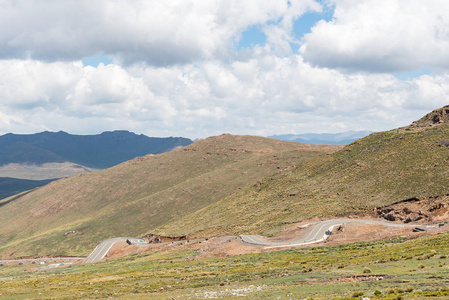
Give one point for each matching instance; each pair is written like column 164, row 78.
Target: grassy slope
column 380, row 169
column 413, row 269
column 137, row 196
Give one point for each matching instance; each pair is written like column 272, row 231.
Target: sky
column 197, row 68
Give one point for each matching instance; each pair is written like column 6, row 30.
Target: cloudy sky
column 197, row 68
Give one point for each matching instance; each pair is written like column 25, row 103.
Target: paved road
column 318, row 232
column 103, row 248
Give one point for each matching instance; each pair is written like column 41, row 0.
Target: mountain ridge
column 94, row 151
column 342, row 138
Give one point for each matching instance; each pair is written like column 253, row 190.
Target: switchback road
column 318, row 232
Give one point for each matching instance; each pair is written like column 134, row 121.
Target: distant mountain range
column 31, row 160
column 93, row 151
column 342, row 138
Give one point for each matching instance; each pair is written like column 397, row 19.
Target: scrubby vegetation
column 292, row 274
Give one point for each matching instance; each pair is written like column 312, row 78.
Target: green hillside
column 377, row 170
column 139, row 195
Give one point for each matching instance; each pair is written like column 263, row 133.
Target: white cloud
column 381, row 36
column 156, row 32
column 263, row 95
column 175, row 70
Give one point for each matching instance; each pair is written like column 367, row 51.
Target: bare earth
column 227, row 246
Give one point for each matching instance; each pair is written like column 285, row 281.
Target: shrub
column 356, row 294
column 366, row 270
column 409, row 289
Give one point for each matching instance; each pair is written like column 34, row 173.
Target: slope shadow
column 18, row 196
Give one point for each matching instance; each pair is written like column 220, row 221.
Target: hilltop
column 435, row 118
column 378, row 170
column 139, row 195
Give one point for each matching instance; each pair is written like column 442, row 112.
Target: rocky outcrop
column 414, row 210
column 155, row 238
column 437, row 117
column 405, row 214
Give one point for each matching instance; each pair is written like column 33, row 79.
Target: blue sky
column 254, row 35
column 94, row 61
column 197, row 68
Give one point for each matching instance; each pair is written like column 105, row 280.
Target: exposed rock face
column 437, row 117
column 405, row 214
column 413, row 210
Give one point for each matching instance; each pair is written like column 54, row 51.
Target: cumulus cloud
column 175, row 70
column 156, row 32
column 263, row 95
column 381, row 36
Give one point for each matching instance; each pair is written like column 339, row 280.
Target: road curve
column 318, row 232
column 103, row 248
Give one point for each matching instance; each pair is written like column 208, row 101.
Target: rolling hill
column 380, row 169
column 137, row 196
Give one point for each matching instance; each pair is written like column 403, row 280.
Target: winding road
column 320, row 231
column 103, row 248
column 315, row 233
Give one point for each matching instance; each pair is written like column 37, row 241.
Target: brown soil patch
column 222, row 246
column 356, row 232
